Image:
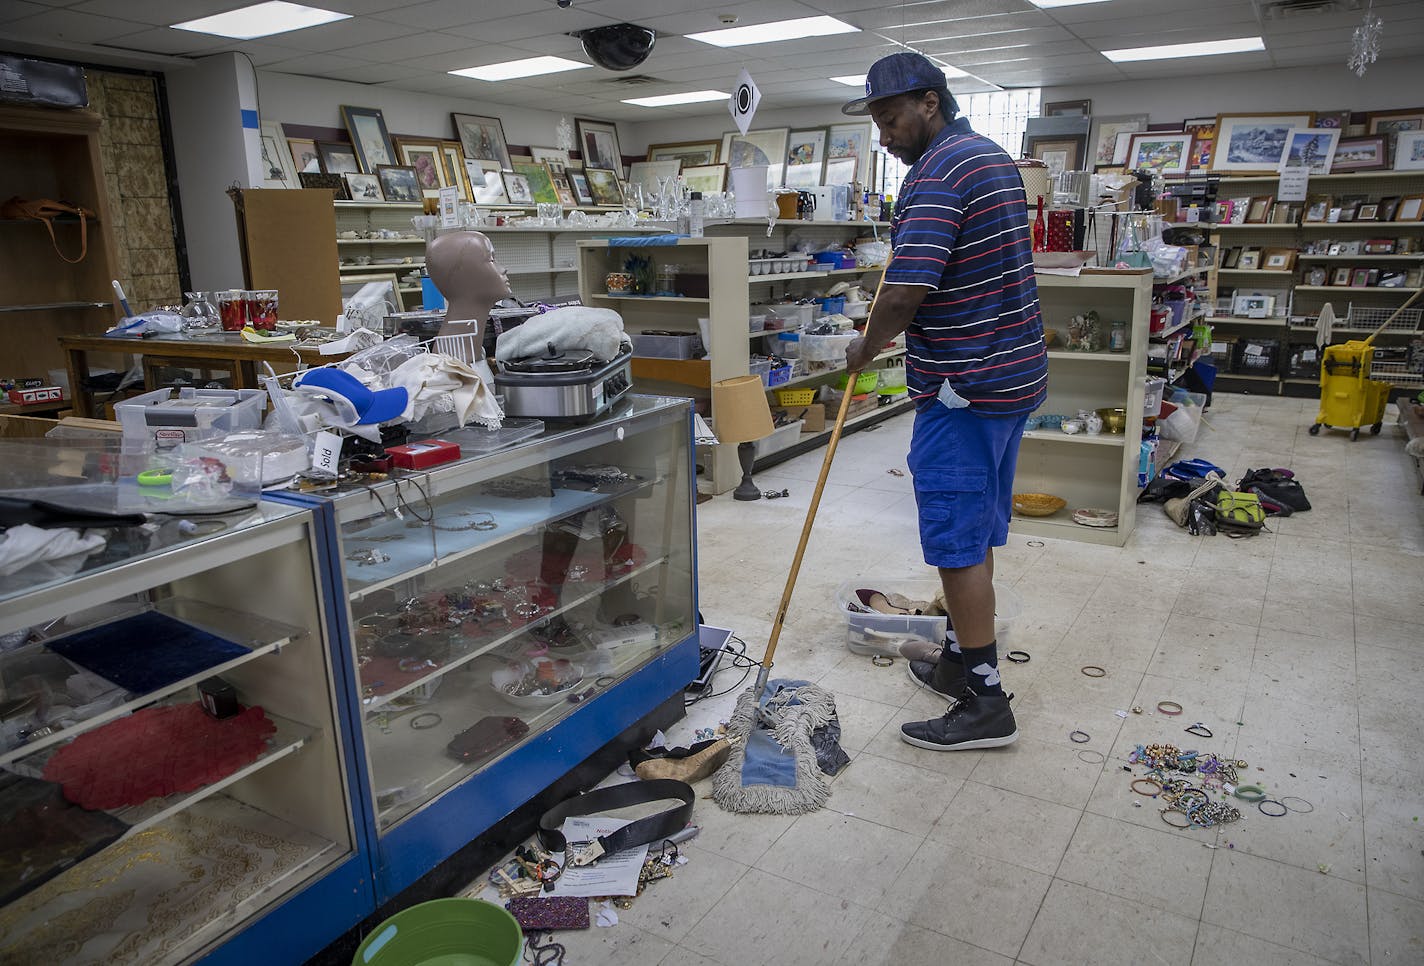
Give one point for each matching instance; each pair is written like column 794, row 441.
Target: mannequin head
column 462, row 265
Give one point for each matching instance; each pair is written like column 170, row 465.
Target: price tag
column 449, row 212
column 1294, row 183
column 327, row 454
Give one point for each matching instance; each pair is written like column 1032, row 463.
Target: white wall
column 709, row 127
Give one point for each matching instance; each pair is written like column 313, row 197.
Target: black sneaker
column 973, row 721
column 944, row 677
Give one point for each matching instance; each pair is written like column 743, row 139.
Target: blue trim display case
column 258, row 858
column 507, row 615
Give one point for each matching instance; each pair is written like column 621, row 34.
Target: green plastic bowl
column 444, row 932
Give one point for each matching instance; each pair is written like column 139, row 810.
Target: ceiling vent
column 633, row 80
column 1283, row 9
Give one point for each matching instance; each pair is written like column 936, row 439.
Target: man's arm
column 892, row 312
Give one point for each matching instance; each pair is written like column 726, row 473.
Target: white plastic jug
column 749, row 185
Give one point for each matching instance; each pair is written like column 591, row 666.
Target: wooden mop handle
column 1370, row 339
column 835, row 439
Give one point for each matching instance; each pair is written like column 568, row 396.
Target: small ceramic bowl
column 1072, row 426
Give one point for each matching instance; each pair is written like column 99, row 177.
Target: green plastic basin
column 444, row 932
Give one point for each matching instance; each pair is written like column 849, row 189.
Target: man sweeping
column 961, row 287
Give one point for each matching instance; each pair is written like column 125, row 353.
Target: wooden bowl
column 1038, row 504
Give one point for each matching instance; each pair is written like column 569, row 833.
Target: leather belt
column 640, row 832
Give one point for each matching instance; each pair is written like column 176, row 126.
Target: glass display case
column 171, row 762
column 495, row 598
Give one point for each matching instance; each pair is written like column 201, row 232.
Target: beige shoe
column 690, row 769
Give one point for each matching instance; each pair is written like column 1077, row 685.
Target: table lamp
column 742, row 416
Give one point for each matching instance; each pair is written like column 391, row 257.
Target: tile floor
column 1303, row 649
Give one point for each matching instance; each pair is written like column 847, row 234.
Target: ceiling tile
column 342, row 34
column 19, row 9
column 411, row 47
column 156, row 12
column 539, row 24
column 374, row 73
column 162, row 40
column 74, row 28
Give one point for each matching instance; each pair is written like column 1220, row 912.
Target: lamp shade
column 740, row 410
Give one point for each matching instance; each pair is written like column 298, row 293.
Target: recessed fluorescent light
column 851, row 80
column 767, row 33
column 666, row 100
column 529, row 67
column 261, row 20
column 1049, row 4
column 1239, row 45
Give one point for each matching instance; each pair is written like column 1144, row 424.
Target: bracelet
column 1093, row 671
column 1169, row 707
column 416, row 721
column 1297, row 798
column 881, row 660
column 1156, row 785
column 1092, row 761
column 1200, row 730
column 604, row 681
column 1253, row 793
column 1261, row 807
column 1018, row 657
column 1169, row 811
column 1072, row 736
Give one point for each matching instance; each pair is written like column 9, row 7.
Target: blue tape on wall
column 644, row 241
column 249, row 119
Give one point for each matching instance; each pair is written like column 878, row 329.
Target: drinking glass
column 262, row 308
column 232, row 309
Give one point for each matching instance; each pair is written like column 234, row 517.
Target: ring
column 416, row 721
column 1169, row 707
column 1253, row 793
column 1079, row 741
column 1297, row 798
column 1018, row 657
column 1168, row 811
column 526, row 609
column 604, row 681
column 155, row 478
column 881, row 660
column 1156, row 785
column 1092, row 761
column 1093, row 671
column 1035, row 543
column 1200, row 730
column 1261, row 807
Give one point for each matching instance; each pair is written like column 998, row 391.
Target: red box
column 29, row 397
column 422, row 456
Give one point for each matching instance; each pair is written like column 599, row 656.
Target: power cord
column 739, row 660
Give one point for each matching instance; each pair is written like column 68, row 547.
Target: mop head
column 790, row 742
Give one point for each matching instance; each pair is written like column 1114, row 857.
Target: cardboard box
column 30, row 397
column 813, row 417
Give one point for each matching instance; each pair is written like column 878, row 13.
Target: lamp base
column 747, row 490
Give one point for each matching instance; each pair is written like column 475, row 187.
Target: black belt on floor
column 650, row 829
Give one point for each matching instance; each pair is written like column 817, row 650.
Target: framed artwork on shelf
column 278, row 170
column 1250, row 259
column 841, row 170
column 1259, row 210
column 645, row 175
column 481, row 138
column 1231, row 258
column 1411, row 208
column 1254, row 143
column 598, row 142
column 454, row 161
column 1310, row 148
column 1067, row 108
column 1168, row 153
column 1105, row 148
column 386, row 288
column 540, row 180
column 1333, row 120
column 486, row 182
column 364, row 187
column 1409, row 151
column 367, row 128
column 322, row 179
column 1379, row 246
column 338, row 158
column 304, row 154
column 605, row 187
column 1395, row 121
column 398, row 183
column 1203, row 132
column 516, row 186
column 1317, row 276
column 1368, row 153
column 578, row 183
column 1253, row 306
column 805, row 158
column 706, row 178
column 556, row 158
column 424, row 156
column 562, row 189
column 1061, row 153
column 766, row 147
column 1368, row 211
column 1278, row 259
column 1317, row 207
column 1359, row 278
column 854, row 140
column 1341, row 277
column 1388, row 207
column 691, row 153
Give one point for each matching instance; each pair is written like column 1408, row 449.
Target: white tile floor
column 1303, row 650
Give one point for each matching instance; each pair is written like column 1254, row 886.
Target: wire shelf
column 1362, row 317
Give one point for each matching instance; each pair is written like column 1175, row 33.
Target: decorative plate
column 1089, row 517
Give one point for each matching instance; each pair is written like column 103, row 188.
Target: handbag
column 1279, row 486
column 1239, row 511
column 47, row 210
column 1060, row 231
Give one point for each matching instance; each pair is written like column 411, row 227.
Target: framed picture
column 805, row 158
column 1231, row 258
column 1067, row 108
column 1254, row 143
column 1310, row 148
column 1253, row 306
column 1411, row 208
column 1351, row 248
column 854, row 140
column 1368, row 212
column 1359, row 278
column 1395, row 122
column 486, row 182
column 1317, row 276
column 1388, row 207
column 706, row 178
column 398, row 183
column 1368, row 153
column 1164, row 153
column 1349, row 208
column 1341, row 277
column 562, row 189
column 645, row 174
column 304, row 154
column 1333, row 120
column 540, row 180
column 1250, row 260
column 424, row 156
column 691, row 153
column 1278, row 259
column 454, row 163
column 516, row 186
column 556, row 158
column 604, row 186
column 1379, row 246
column 598, row 141
column 766, row 147
column 1103, row 138
column 367, row 128
column 578, row 183
column 1059, row 153
column 338, row 158
column 364, row 187
column 841, row 170
column 1317, row 207
column 321, row 179
column 372, row 287
column 1259, row 210
column 481, row 138
column 278, row 171
column 1409, row 151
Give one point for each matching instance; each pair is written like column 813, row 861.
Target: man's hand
column 859, row 354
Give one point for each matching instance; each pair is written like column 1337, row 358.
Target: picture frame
column 1317, row 276
column 1352, row 247
column 1369, row 211
column 424, row 156
column 1349, row 209
column 1203, row 132
column 578, row 183
column 323, row 179
column 399, row 183
column 516, row 187
column 540, row 180
column 1258, row 211
column 557, row 159
column 690, row 153
column 367, row 129
column 841, row 170
column 481, row 138
column 706, row 178
column 562, row 189
column 363, row 187
column 1250, row 260
column 1367, row 153
column 486, row 182
column 1231, row 258
column 1333, row 120
column 454, row 160
column 1359, row 278
column 766, row 146
column 805, row 158
column 1253, row 306
column 1409, row 151
column 1066, row 108
column 1316, row 208
column 1278, row 259
column 351, row 284
column 645, row 174
column 851, row 140
column 1333, row 215
column 604, row 186
column 1411, row 208
column 1389, row 206
column 1166, row 153
column 304, row 155
column 1379, row 246
column 598, row 143
column 278, row 169
column 1254, row 143
column 1103, row 146
column 1396, row 121
column 1414, row 278
column 338, row 158
column 1312, row 148
column 1061, row 152
column 1341, row 276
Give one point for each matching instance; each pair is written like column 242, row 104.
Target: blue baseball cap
column 354, row 403
column 897, row 74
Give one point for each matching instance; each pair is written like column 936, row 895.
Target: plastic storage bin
column 781, row 438
column 825, row 348
column 793, row 316
column 191, row 415
column 877, row 633
column 1152, row 398
column 682, row 345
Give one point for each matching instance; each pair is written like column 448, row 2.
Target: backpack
column 1239, row 514
column 1278, row 486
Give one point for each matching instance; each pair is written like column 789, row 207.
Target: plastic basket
column 791, row 398
column 864, row 383
column 454, row 931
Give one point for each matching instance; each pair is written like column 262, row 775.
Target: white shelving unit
column 1089, row 471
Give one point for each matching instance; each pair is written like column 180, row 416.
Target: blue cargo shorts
column 963, row 465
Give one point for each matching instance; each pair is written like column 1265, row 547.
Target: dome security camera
column 565, row 3
column 620, row 46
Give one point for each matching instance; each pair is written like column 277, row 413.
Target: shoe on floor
column 919, row 649
column 944, row 678
column 973, row 721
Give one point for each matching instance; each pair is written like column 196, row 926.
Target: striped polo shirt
column 961, row 230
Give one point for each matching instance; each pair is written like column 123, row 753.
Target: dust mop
column 786, row 736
